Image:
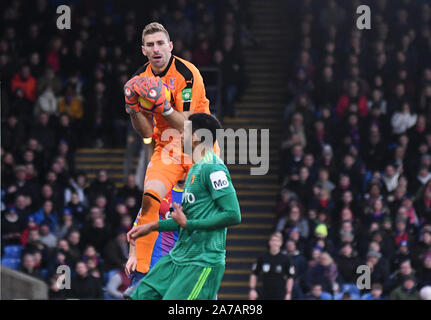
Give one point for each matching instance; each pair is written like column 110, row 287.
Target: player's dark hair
column 205, row 121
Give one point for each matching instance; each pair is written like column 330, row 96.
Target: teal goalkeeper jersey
column 207, row 181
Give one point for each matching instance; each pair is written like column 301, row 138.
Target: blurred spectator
column 97, row 116
column 55, row 292
column 375, row 294
column 424, row 272
column 347, row 263
column 403, row 119
column 116, row 251
column 46, row 214
column 84, row 285
column 130, row 189
column 352, row 101
column 71, row 104
column 325, row 273
column 406, row 291
column 96, row 234
column 315, row 292
column 11, row 227
column 47, row 237
column 101, row 186
column 26, row 82
column 29, row 268
column 75, row 245
column 66, row 224
column 117, row 284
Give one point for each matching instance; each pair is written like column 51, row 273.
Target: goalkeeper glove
column 154, row 91
column 130, row 96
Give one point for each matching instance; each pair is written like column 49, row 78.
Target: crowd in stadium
column 356, row 152
column 63, row 90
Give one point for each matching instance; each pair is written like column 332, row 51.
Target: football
column 148, row 106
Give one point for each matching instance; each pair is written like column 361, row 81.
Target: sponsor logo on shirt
column 188, row 197
column 168, row 214
column 187, row 94
column 219, row 180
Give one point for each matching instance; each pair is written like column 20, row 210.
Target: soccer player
column 186, row 95
column 164, row 243
column 276, row 271
column 195, row 266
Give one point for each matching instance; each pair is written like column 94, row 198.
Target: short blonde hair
column 154, row 27
column 276, row 234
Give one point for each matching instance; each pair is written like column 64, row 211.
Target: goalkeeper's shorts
column 170, row 169
column 166, row 169
column 169, row 281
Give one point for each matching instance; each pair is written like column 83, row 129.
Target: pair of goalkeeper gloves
column 147, row 94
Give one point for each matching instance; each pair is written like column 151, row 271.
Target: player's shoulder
column 211, row 158
column 212, row 163
column 187, row 69
column 141, row 69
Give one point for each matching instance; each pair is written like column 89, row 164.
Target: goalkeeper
column 167, row 89
column 195, row 266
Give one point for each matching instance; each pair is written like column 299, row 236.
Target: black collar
column 163, row 73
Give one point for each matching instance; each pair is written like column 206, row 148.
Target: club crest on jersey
column 128, row 92
column 171, row 84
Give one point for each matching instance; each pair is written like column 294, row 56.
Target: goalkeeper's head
column 202, row 129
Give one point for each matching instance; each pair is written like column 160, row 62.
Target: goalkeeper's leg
column 159, row 179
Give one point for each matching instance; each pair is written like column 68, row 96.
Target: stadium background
column 283, row 65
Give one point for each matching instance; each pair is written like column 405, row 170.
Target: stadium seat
column 326, row 296
column 353, row 296
column 12, row 251
column 350, row 287
column 44, row 273
column 367, row 296
column 12, row 263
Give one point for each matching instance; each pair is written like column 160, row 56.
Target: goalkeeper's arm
column 230, row 215
column 142, row 124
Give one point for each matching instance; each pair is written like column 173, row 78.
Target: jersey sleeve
column 256, row 268
column 168, row 225
column 289, row 268
column 230, row 215
column 217, row 179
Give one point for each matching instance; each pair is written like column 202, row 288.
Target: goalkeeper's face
column 157, row 48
